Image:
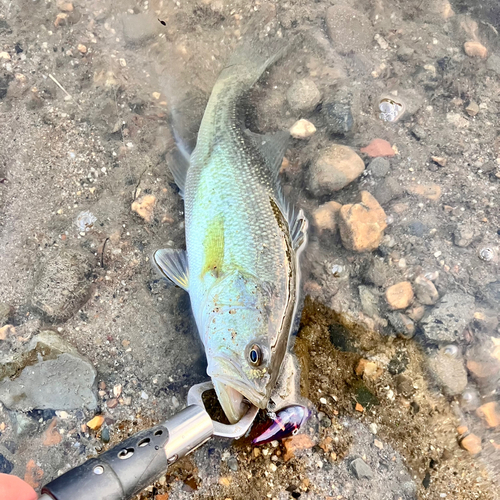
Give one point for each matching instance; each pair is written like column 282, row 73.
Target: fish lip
column 242, row 386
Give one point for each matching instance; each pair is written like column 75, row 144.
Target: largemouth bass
column 243, row 241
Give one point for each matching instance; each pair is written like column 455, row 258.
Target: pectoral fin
column 173, row 264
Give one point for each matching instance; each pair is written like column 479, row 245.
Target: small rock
column 232, row 463
column 447, row 320
column 463, row 236
column 302, row 129
column 361, row 469
column 476, row 49
column 62, row 283
column 471, row 443
column 296, row 443
column 105, row 436
column 303, row 96
column 402, row 324
column 60, row 19
column 362, row 224
column 335, row 168
column 472, row 108
column 349, row 30
column 51, row 436
column 7, row 331
column 404, row 385
column 369, row 301
column 425, row 291
column 490, row 413
column 430, row 191
column 326, row 215
column 378, row 147
column 405, row 53
column 338, row 117
column 117, row 390
column 416, row 312
column 493, row 63
column 379, row 167
column 144, row 207
column 400, row 295
column 388, row 190
column 5, row 56
column 449, row 371
column 65, row 6
column 96, row 422
column 139, row 28
column 6, row 467
column 441, row 161
column 82, row 48
column 419, row 132
column 368, row 369
column 50, row 374
column 112, row 403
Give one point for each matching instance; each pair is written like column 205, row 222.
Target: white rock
column 302, row 129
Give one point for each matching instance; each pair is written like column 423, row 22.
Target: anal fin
column 173, row 264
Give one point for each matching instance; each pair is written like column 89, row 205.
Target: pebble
column 112, row 403
column 82, row 48
column 303, row 96
column 349, row 30
column 472, row 108
column 302, row 129
column 369, row 301
column 400, row 295
column 463, row 236
column 58, row 266
column 60, row 379
column 232, row 463
column 368, row 369
column 447, row 320
column 490, row 414
column 449, row 371
column 6, row 467
column 96, row 422
column 379, row 167
column 402, row 324
column 471, row 443
column 296, row 443
column 475, row 49
column 425, row 291
column 5, row 56
column 105, row 435
column 65, row 6
column 361, row 469
column 51, row 436
column 117, row 390
column 419, row 132
column 416, row 312
column 362, row 224
column 144, row 207
column 7, row 331
column 60, row 19
column 335, row 168
column 326, row 215
column 378, row 147
column 430, row 191
column 439, row 160
column 388, row 190
column 338, row 117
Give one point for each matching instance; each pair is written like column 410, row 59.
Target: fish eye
column 255, row 355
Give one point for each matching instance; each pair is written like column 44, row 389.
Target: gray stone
column 303, row 96
column 348, row 29
column 379, row 167
column 388, row 190
column 369, row 301
column 419, row 132
column 405, row 53
column 361, row 469
column 338, row 117
column 447, row 321
column 402, row 324
column 232, row 463
column 463, row 236
column 50, row 374
column 425, row 291
column 417, row 228
column 62, row 283
column 6, row 466
column 139, row 28
column 493, row 63
column 447, row 367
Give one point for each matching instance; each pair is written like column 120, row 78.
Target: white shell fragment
column 391, row 109
column 85, row 221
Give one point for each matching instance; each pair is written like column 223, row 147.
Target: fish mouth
column 231, row 400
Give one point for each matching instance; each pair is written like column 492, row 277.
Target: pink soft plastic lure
column 287, row 422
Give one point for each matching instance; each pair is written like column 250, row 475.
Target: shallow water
column 88, row 99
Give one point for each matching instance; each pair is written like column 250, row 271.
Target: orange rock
column 362, row 224
column 296, row 443
column 327, row 444
column 7, row 330
column 51, row 436
column 462, row 429
column 482, row 369
column 162, row 497
column 476, row 49
column 490, row 413
column 359, row 408
column 325, row 216
column 224, row 481
column 60, row 19
column 429, row 191
column 378, row 147
column 368, row 369
column 33, row 475
column 400, row 295
column 96, row 422
column 472, row 444
column 144, row 207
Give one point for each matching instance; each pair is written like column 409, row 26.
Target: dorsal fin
column 173, row 264
column 272, row 147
